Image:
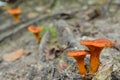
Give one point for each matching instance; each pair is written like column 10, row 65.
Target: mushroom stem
column 81, row 66
column 94, row 60
column 16, row 18
column 38, row 37
column 84, row 78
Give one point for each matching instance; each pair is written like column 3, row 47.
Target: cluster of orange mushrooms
column 95, row 47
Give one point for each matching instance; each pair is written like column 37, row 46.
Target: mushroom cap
column 14, row 11
column 34, row 29
column 97, row 42
column 77, row 53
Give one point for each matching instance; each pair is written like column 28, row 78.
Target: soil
column 35, row 65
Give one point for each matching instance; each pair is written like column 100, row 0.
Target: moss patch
column 53, row 33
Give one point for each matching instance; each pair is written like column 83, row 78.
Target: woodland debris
column 91, row 14
column 13, row 56
column 10, row 1
column 52, row 52
column 32, row 21
column 62, row 64
column 104, row 73
column 115, row 75
column 45, row 39
column 116, row 45
column 65, row 35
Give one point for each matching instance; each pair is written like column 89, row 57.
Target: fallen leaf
column 12, row 56
column 32, row 15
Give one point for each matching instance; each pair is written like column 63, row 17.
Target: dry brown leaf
column 32, row 15
column 12, row 56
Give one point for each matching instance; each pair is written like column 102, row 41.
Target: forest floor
column 47, row 60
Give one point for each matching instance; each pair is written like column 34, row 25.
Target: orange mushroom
column 15, row 12
column 96, row 47
column 79, row 56
column 35, row 31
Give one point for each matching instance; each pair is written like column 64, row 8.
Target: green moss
column 53, row 33
column 44, row 30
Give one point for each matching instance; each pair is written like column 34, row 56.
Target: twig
column 17, row 3
column 32, row 21
column 42, row 45
column 107, row 6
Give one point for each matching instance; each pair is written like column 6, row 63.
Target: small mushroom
column 15, row 12
column 79, row 57
column 35, row 31
column 95, row 47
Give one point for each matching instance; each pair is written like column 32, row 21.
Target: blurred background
column 62, row 25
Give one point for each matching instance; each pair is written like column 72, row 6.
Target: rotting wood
column 43, row 44
column 11, row 26
column 66, row 36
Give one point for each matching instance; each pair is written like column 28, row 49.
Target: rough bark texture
column 43, row 44
column 65, row 35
